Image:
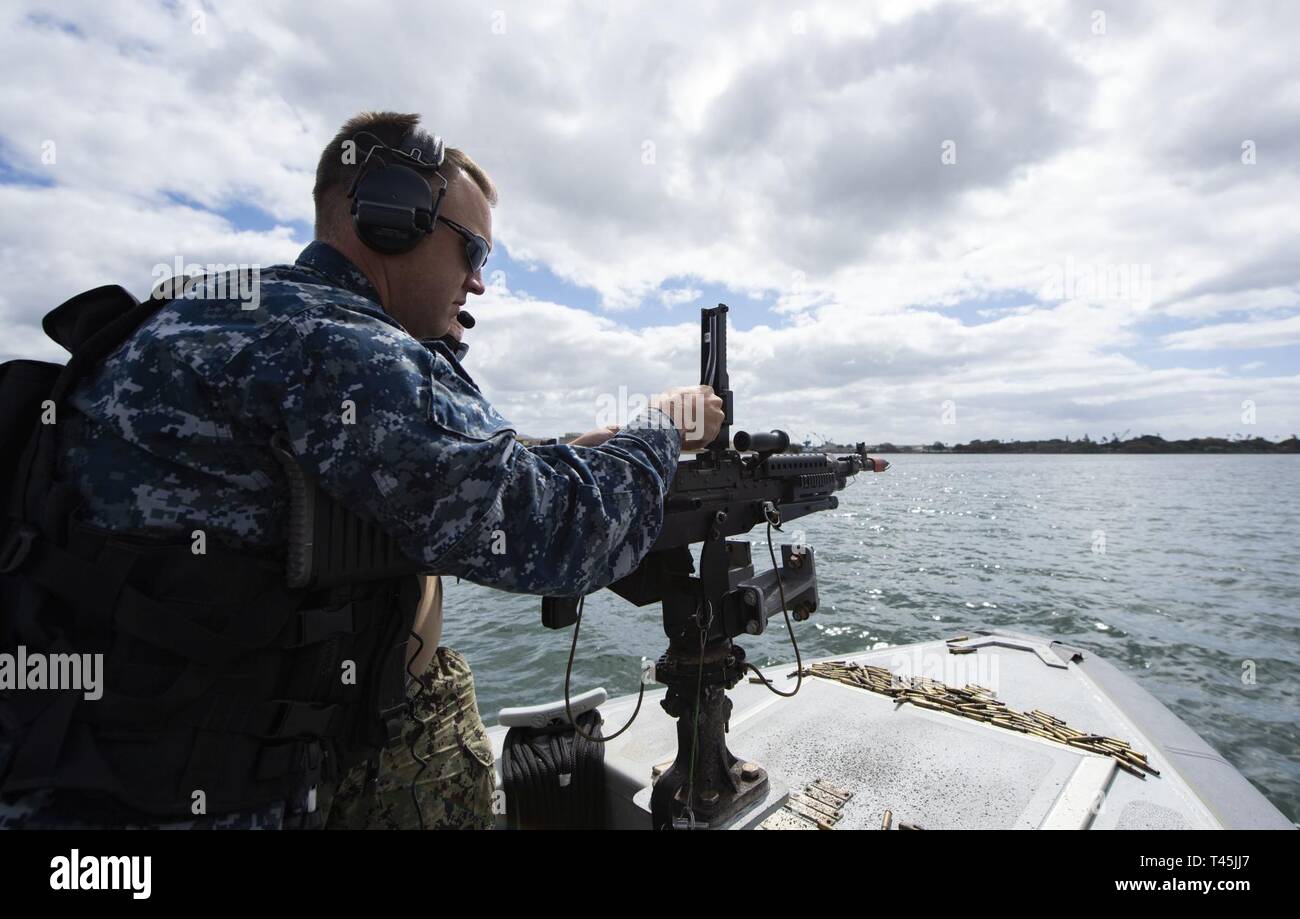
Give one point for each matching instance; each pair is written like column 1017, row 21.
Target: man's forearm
column 570, row 521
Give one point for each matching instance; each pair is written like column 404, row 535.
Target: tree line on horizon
column 1146, row 443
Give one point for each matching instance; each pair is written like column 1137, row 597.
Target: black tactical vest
column 247, row 679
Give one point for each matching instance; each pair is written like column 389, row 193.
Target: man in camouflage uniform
column 342, row 353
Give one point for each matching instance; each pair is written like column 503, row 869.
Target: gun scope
column 762, row 442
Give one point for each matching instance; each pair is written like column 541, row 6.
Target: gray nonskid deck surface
column 942, row 771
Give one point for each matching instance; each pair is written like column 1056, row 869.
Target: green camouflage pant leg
column 455, row 789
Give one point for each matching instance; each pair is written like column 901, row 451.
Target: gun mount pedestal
column 707, row 784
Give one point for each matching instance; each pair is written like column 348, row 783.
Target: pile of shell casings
column 979, row 704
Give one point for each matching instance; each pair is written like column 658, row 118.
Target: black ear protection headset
column 393, row 204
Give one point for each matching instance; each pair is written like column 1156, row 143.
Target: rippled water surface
column 1183, row 571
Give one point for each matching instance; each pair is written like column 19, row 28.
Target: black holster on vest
column 230, row 680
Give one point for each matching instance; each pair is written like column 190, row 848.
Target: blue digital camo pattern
column 171, row 435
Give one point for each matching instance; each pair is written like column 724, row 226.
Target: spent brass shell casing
column 1129, row 769
column 834, row 791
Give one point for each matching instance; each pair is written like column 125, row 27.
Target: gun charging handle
column 713, row 369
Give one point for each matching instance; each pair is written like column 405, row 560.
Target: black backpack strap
column 91, row 326
column 24, row 387
column 77, row 320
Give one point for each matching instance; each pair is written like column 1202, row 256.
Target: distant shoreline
column 1148, row 443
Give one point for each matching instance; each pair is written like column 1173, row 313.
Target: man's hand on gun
column 696, row 410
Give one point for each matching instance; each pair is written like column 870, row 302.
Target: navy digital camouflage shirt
column 171, row 435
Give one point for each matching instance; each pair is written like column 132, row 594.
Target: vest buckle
column 392, row 719
column 17, row 546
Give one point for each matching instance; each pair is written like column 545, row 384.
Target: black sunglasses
column 476, row 247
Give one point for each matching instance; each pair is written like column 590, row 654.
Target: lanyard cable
column 568, row 672
column 789, row 628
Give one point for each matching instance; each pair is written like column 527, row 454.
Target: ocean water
column 1181, row 570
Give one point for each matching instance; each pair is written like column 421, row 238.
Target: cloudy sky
column 931, row 221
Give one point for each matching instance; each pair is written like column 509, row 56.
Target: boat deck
column 938, row 770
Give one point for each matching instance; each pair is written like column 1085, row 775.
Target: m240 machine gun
column 723, row 491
